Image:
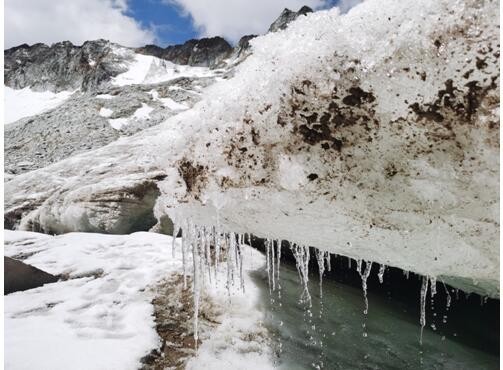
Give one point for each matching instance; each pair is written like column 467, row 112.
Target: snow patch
column 105, row 112
column 143, row 113
column 25, row 102
column 118, row 123
column 105, row 96
column 168, row 102
column 105, row 308
column 149, row 69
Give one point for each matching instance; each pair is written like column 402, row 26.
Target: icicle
column 185, row 237
column 320, row 257
column 422, row 320
column 240, row 254
column 218, row 242
column 380, row 275
column 433, row 286
column 175, row 233
column 273, row 265
column 268, row 264
column 329, row 262
column 230, row 240
column 196, row 288
column 364, row 276
column 448, row 303
column 301, row 254
column 278, row 259
column 207, row 251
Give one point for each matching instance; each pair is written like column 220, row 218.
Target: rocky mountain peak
column 205, row 52
column 288, row 16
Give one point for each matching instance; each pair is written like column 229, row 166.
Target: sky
column 141, row 22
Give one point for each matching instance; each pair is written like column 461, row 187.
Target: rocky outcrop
column 62, row 66
column 19, row 276
column 286, row 17
column 243, row 47
column 205, row 52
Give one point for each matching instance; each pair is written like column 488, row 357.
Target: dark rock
column 243, row 44
column 206, row 52
column 287, row 16
column 19, row 276
column 61, row 66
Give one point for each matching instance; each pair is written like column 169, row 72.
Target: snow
column 118, row 123
column 143, row 112
column 105, row 112
column 25, row 102
column 168, row 102
column 377, row 198
column 173, row 105
column 149, row 69
column 104, row 96
column 101, row 318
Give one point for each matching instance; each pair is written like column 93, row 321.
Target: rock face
column 286, row 17
column 61, row 66
column 19, row 276
column 375, row 139
column 205, row 52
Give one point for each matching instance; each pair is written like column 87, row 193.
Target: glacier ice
column 366, row 140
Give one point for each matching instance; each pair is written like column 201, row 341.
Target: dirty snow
column 25, row 102
column 101, row 318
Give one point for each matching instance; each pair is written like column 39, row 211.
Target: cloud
column 345, row 5
column 235, row 18
column 49, row 21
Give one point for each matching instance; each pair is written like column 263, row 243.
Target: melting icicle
column 380, row 275
column 301, row 254
column 321, row 257
column 422, row 320
column 273, row 265
column 278, row 261
column 268, row 263
column 185, row 236
column 176, row 229
column 364, row 276
column 240, row 255
column 278, row 258
column 196, row 286
column 433, row 286
column 328, row 260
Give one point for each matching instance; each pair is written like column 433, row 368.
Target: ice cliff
column 373, row 134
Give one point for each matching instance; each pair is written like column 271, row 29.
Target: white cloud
column 235, row 18
column 48, row 21
column 345, row 5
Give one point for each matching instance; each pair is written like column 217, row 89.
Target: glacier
column 373, row 134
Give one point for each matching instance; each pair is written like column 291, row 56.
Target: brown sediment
column 173, row 312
